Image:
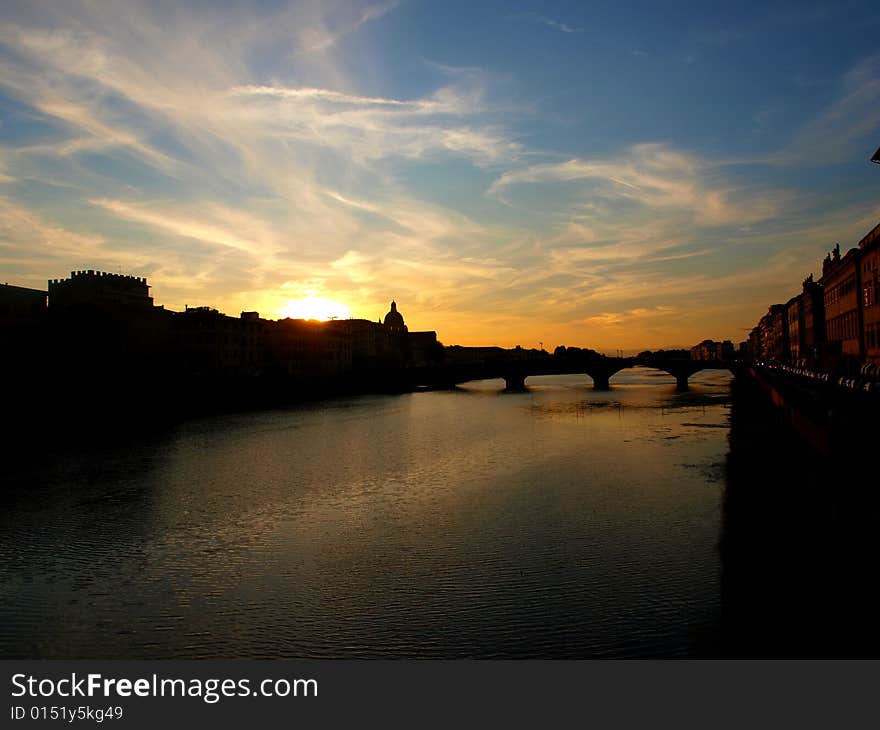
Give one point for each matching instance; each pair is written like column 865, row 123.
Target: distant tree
column 436, row 353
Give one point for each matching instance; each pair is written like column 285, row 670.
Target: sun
column 312, row 307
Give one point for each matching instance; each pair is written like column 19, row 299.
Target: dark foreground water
column 560, row 522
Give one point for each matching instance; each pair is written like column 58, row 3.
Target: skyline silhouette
column 793, row 332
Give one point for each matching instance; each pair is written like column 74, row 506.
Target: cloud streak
column 847, row 126
column 653, row 176
column 549, row 22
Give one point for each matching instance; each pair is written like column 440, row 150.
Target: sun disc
column 312, row 307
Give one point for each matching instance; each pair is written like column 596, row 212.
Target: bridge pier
column 681, row 382
column 600, row 381
column 514, row 383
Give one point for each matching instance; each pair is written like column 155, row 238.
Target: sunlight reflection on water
column 559, row 522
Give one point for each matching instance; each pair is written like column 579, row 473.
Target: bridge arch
column 683, row 370
column 599, row 369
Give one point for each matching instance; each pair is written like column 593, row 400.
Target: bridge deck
column 600, row 370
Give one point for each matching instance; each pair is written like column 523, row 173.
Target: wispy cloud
column 549, row 22
column 847, row 127
column 322, row 34
column 370, row 128
column 25, row 234
column 653, row 176
column 274, row 179
column 261, row 240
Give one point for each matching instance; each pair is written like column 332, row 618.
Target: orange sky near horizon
column 616, row 181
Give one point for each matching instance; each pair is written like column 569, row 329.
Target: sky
column 615, row 175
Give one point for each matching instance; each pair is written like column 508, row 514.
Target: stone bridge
column 600, row 369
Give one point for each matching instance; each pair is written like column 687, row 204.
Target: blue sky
column 616, row 175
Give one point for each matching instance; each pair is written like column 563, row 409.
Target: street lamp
column 876, row 157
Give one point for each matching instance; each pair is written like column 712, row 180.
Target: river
column 559, row 522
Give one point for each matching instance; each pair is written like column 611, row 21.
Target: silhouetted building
column 307, row 351
column 417, row 348
column 424, row 349
column 209, row 343
column 19, row 304
column 869, row 248
column 754, row 346
column 712, row 350
column 92, row 287
column 99, row 334
column 774, row 334
column 812, row 323
column 370, row 342
column 842, row 290
column 394, row 320
column 795, row 312
column 104, row 329
column 22, row 331
column 252, row 343
column 461, row 355
column 765, row 327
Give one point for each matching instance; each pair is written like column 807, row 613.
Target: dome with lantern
column 394, row 320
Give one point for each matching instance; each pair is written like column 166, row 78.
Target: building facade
column 23, row 319
column 712, row 350
column 794, row 309
column 841, row 289
column 869, row 249
column 834, row 323
column 99, row 287
column 774, row 334
column 812, row 323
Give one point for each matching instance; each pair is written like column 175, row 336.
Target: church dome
column 394, row 319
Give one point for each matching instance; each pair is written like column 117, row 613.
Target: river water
column 559, row 522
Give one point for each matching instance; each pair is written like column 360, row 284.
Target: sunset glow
column 313, row 307
column 286, row 155
column 397, row 329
